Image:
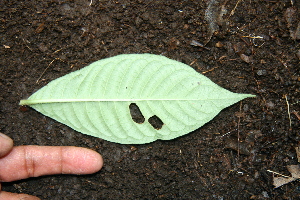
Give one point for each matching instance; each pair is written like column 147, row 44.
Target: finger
column 13, row 196
column 32, row 161
column 6, row 144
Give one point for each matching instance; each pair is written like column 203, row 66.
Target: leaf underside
column 133, row 99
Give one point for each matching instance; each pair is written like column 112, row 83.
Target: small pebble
column 270, row 104
column 265, row 194
column 261, row 72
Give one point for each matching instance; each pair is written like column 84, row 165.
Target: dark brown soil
column 256, row 50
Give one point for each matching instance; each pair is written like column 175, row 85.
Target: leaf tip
column 251, row 96
column 244, row 96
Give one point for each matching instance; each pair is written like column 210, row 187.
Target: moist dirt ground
column 251, row 46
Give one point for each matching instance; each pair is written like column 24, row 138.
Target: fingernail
column 5, row 136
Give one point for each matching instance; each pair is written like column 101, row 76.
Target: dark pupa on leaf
column 136, row 113
column 155, row 122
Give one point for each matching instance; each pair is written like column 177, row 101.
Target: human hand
column 22, row 162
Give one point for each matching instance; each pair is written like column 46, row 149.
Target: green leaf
column 133, row 99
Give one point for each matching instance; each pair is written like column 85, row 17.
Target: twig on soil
column 288, row 108
column 297, row 114
column 198, row 44
column 193, row 62
column 25, row 42
column 298, row 153
column 278, row 173
column 212, row 69
column 227, row 133
column 233, row 10
column 47, row 68
column 243, row 38
column 253, row 37
column 238, row 131
column 281, row 61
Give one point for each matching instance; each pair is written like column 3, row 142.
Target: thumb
column 13, row 196
column 6, row 144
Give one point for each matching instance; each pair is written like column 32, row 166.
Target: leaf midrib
column 42, row 101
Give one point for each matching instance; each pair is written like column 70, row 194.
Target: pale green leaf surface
column 95, row 100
